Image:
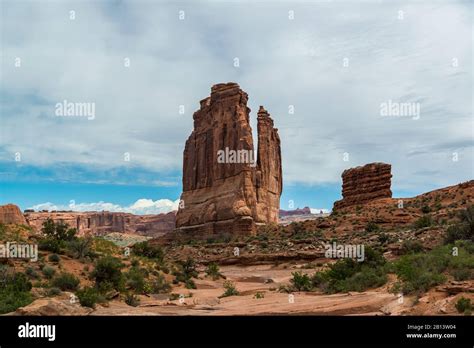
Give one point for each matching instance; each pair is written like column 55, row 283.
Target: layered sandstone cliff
column 225, row 188
column 102, row 223
column 364, row 184
column 11, row 214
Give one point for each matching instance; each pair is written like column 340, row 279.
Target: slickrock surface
column 11, row 214
column 229, row 197
column 364, row 184
column 101, row 223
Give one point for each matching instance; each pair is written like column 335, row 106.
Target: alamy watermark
column 341, row 251
column 19, row 251
column 396, row 109
column 70, row 109
column 236, row 156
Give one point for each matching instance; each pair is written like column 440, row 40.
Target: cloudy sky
column 334, row 63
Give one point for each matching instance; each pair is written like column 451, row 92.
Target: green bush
column 54, row 258
column 424, row 221
column 383, row 238
column 351, row 275
column 160, row 285
column 80, row 247
column 88, row 296
column 463, row 305
column 189, row 284
column 147, row 250
column 66, row 281
column 14, row 290
column 132, row 300
column 212, row 271
column 426, row 209
column 464, row 230
column 58, row 230
column 462, row 274
column 53, row 292
column 259, row 295
column 421, row 271
column 135, row 279
column 371, row 227
column 108, row 272
column 411, row 246
column 186, row 272
column 49, row 244
column 10, row 301
column 230, row 289
column 48, row 272
column 30, row 272
column 301, row 282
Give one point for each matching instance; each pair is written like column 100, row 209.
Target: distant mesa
column 364, row 184
column 303, row 211
column 235, row 195
column 105, row 222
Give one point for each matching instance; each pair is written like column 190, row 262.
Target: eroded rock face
column 269, row 176
column 226, row 188
column 11, row 214
column 102, row 223
column 364, row 184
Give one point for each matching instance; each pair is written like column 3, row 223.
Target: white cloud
column 142, row 206
column 319, row 210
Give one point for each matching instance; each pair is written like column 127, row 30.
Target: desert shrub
column 108, row 272
column 30, row 272
column 48, row 272
column 426, row 209
column 49, row 244
column 159, row 285
column 89, row 296
column 58, row 230
column 10, row 301
column 301, row 282
column 147, row 250
column 132, row 300
column 424, row 221
column 462, row 274
column 419, row 272
column 464, row 230
column 230, row 289
column 463, row 305
column 189, row 284
column 187, row 271
column 411, row 246
column 212, row 271
column 135, row 279
column 14, row 290
column 173, row 297
column 66, row 281
column 351, row 275
column 105, row 247
column 383, row 238
column 53, row 292
column 456, row 232
column 80, row 247
column 259, row 295
column 54, row 258
column 371, row 227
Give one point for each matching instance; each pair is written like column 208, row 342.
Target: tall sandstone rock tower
column 231, row 196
